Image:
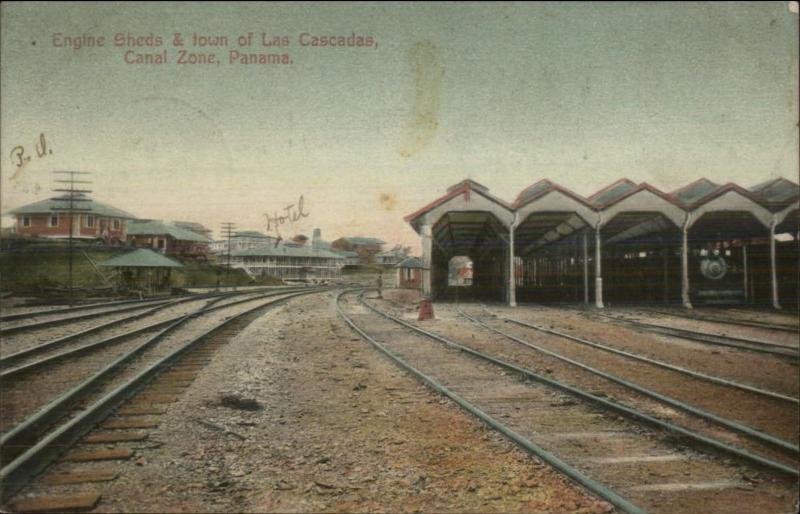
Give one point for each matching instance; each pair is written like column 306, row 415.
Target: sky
column 504, row 93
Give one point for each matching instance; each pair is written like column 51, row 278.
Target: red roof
column 610, row 187
column 644, row 186
column 730, row 186
column 466, row 189
column 545, row 187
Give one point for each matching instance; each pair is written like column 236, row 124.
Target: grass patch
column 203, row 274
column 27, row 267
column 30, row 269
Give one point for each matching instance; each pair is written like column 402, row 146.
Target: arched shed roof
column 545, row 196
column 466, row 196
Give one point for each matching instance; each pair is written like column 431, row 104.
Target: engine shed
column 704, row 243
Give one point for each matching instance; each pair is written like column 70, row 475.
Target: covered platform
column 704, row 243
column 143, row 270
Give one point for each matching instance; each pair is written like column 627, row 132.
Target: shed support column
column 772, row 266
column 685, row 265
column 744, row 269
column 598, row 274
column 585, row 269
column 665, row 252
column 512, row 269
column 427, row 254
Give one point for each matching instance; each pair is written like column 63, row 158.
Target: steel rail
column 701, row 333
column 673, row 402
column 608, row 404
column 99, row 344
column 10, row 359
column 75, row 352
column 745, row 323
column 574, row 474
column 20, row 436
column 72, row 319
column 7, row 374
column 15, row 474
column 33, row 314
column 77, row 308
column 703, row 337
column 661, row 364
column 158, row 302
column 50, row 412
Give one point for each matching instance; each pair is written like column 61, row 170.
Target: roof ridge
column 553, row 186
column 609, row 187
column 721, row 190
column 468, row 182
column 99, row 208
column 645, row 186
column 758, row 188
column 694, row 182
column 545, row 180
column 453, row 193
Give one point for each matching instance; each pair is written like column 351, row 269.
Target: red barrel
column 425, row 309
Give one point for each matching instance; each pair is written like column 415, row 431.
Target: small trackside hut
column 143, row 270
column 409, row 273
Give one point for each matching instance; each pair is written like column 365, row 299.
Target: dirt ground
column 297, row 414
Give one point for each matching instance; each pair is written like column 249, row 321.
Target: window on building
column 53, row 221
column 116, row 224
column 90, row 221
column 26, row 221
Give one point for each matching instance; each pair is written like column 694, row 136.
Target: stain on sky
column 388, row 201
column 427, row 71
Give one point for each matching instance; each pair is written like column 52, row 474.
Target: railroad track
column 99, row 305
column 25, row 392
column 655, row 362
column 17, row 349
column 62, row 320
column 787, row 316
column 739, row 343
column 41, row 438
column 41, row 354
column 76, row 308
column 778, row 327
column 669, row 389
column 98, row 311
column 632, row 459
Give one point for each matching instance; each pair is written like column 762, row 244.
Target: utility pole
column 70, row 197
column 227, row 230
